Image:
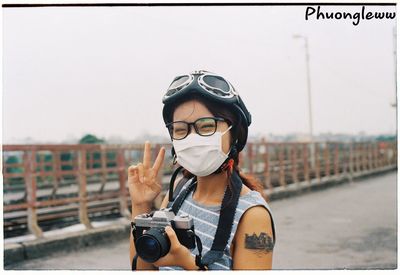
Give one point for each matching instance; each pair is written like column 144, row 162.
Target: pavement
column 349, row 226
column 352, row 226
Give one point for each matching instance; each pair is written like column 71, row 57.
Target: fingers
column 159, row 160
column 156, row 187
column 147, row 155
column 175, row 244
column 146, row 173
column 133, row 172
column 140, row 169
column 177, row 254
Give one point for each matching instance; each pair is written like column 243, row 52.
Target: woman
column 208, row 124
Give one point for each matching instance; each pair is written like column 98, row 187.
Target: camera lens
column 152, row 245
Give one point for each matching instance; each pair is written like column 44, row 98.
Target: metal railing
column 48, row 182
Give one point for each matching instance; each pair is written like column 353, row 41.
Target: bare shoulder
column 253, row 243
column 255, row 214
column 255, row 217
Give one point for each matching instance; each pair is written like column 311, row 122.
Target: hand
column 178, row 254
column 143, row 179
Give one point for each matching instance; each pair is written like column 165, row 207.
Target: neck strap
column 171, row 184
column 226, row 217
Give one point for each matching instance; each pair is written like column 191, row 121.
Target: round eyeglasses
column 205, row 126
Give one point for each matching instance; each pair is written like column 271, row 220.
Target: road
column 352, row 226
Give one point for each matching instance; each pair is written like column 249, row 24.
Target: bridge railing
column 44, row 183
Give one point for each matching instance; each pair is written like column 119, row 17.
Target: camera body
column 152, row 242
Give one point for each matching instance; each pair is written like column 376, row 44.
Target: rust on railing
column 306, row 169
column 317, row 173
column 30, row 180
column 122, row 176
column 38, row 178
column 82, row 173
column 282, row 181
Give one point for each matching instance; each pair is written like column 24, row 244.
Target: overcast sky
column 103, row 70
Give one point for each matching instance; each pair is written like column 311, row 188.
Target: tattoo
column 263, row 242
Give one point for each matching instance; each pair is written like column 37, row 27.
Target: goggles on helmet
column 212, row 86
column 211, row 83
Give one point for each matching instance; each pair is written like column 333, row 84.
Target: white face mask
column 200, row 155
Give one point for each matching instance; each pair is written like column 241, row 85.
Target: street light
column 310, row 124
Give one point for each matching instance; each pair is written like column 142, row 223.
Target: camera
column 151, row 240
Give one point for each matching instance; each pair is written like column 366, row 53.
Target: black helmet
column 213, row 87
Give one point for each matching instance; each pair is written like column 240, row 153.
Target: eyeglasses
column 205, row 126
column 214, row 84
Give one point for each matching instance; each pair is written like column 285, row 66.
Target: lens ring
column 153, row 244
column 178, row 84
column 148, row 248
column 215, row 91
column 217, row 82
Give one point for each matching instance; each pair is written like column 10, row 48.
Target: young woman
column 208, row 124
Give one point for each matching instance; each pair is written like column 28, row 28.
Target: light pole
column 310, row 124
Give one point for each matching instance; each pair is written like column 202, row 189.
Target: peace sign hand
column 143, row 182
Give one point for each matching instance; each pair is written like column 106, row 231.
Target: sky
column 69, row 71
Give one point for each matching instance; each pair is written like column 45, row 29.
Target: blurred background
column 103, row 70
column 82, row 89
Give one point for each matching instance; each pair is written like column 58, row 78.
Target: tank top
column 206, row 221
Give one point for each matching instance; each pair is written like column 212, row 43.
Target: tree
column 91, row 139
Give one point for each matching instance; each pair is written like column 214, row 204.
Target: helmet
column 212, row 87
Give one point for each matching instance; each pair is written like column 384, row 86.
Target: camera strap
column 225, row 222
column 171, row 184
column 135, row 257
column 177, row 203
column 134, row 262
column 198, row 256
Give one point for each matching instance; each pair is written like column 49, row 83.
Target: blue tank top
column 206, row 221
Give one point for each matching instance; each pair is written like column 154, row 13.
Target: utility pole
column 310, row 121
column 310, row 124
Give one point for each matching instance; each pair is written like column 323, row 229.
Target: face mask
column 200, row 155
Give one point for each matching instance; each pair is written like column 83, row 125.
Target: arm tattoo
column 263, row 242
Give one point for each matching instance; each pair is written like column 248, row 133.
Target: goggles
column 214, row 85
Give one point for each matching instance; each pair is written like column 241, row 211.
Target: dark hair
column 237, row 132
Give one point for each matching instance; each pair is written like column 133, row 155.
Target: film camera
column 151, row 240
